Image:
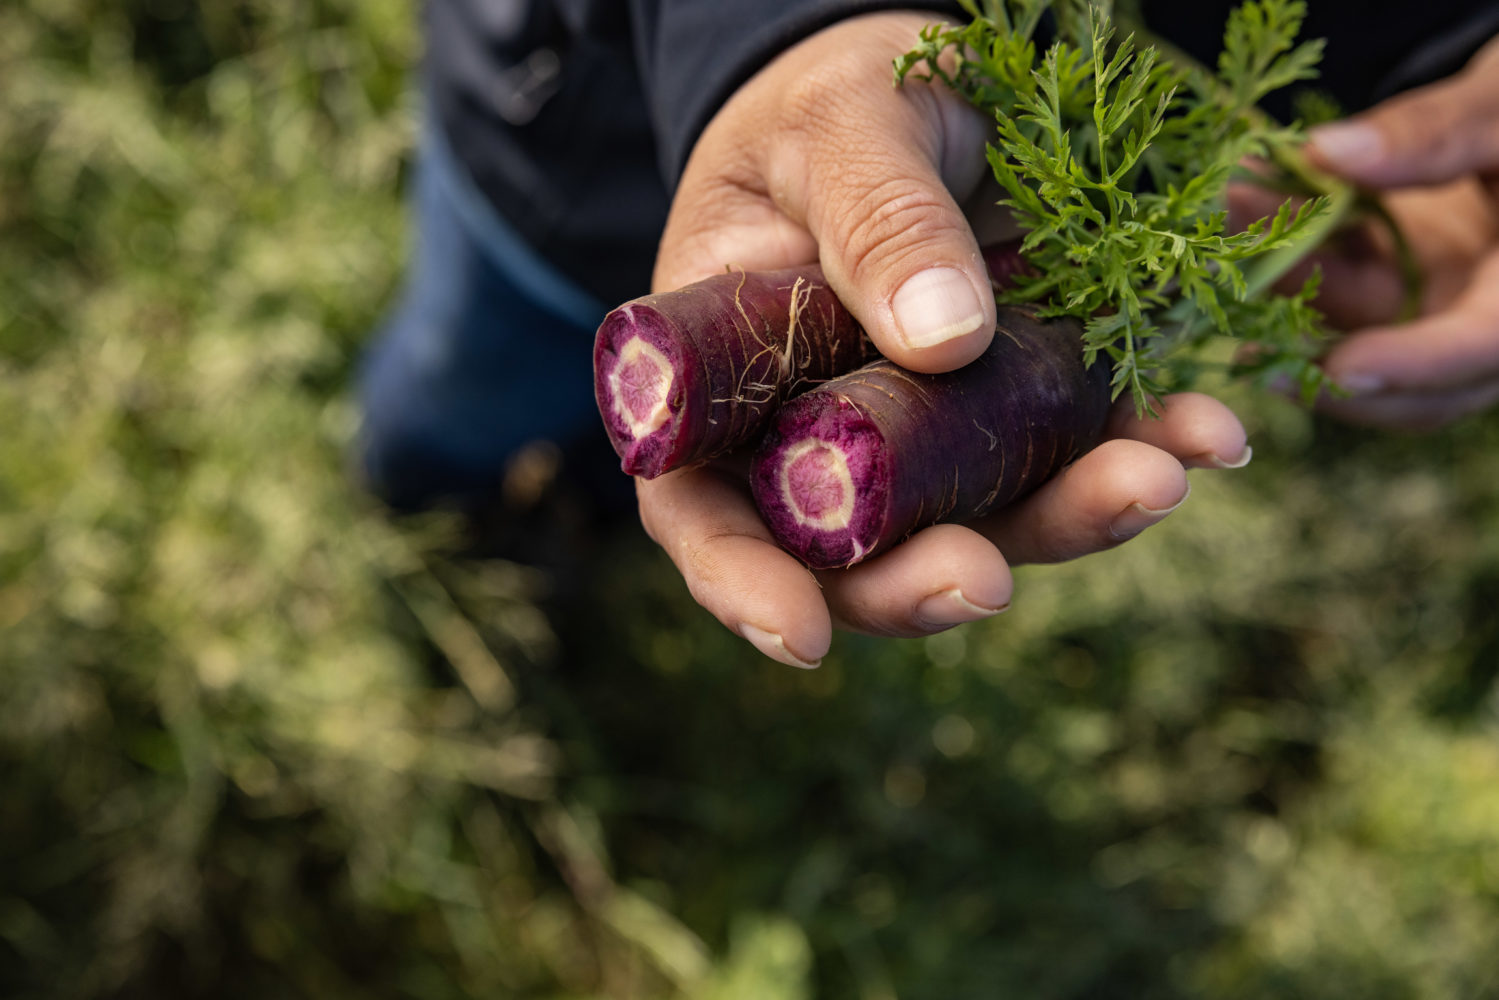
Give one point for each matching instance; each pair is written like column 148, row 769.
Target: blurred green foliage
column 258, row 740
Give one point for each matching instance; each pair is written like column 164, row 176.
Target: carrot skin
column 685, row 376
column 858, row 464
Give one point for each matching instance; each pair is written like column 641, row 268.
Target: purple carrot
column 685, row 376
column 861, row 462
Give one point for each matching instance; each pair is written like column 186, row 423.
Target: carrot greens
column 1115, row 156
column 1114, row 152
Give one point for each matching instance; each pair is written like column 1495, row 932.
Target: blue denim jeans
column 489, row 348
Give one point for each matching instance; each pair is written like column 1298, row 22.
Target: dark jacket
column 575, row 117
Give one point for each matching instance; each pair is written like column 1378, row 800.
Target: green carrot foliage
column 1116, row 157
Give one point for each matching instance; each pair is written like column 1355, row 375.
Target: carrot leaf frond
column 1115, row 157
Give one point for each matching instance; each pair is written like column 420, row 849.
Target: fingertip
column 1149, row 482
column 1352, row 148
column 773, row 645
column 1213, row 460
column 1428, row 135
column 942, row 317
column 1136, row 517
column 1197, row 429
column 762, row 594
column 731, row 566
column 1455, row 347
column 953, row 606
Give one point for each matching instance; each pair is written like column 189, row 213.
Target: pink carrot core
column 639, row 361
column 856, row 465
column 685, row 376
column 818, row 489
column 641, row 381
column 830, row 480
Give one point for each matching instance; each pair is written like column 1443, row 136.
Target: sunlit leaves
column 1116, row 162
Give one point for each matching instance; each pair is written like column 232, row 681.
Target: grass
column 260, row 740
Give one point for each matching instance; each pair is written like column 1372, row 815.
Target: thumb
column 1430, row 135
column 899, row 252
column 818, row 155
column 873, row 184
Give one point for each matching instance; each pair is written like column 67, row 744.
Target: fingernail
column 1137, row 517
column 774, row 646
column 936, row 305
column 950, row 607
column 1348, row 144
column 1356, row 384
column 1211, row 461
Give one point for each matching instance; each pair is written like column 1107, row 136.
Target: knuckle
column 885, row 223
column 812, row 100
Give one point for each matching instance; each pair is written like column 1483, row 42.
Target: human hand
column 817, row 157
column 1435, row 151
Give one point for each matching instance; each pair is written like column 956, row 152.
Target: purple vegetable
column 684, row 376
column 858, row 464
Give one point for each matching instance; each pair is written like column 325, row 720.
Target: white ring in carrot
column 817, row 486
column 641, row 385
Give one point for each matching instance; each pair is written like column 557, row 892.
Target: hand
column 817, row 157
column 1435, row 151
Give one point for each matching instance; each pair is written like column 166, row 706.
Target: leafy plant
column 1116, row 160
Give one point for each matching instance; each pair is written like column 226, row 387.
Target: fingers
column 709, row 528
column 818, row 157
column 1106, row 497
column 705, row 521
column 1458, row 346
column 1448, row 228
column 1429, row 135
column 1413, row 410
column 1197, row 430
column 1444, row 365
column 947, row 574
column 940, row 577
column 1123, row 486
column 707, row 524
column 950, row 574
column 1426, row 372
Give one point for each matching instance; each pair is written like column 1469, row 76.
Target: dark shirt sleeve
column 543, row 109
column 693, row 54
column 574, row 117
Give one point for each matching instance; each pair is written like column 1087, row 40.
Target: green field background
column 259, row 740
